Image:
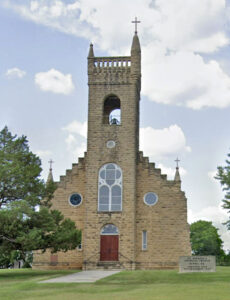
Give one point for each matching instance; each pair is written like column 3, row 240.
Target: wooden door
column 109, row 248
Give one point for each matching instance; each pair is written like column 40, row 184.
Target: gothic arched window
column 110, row 188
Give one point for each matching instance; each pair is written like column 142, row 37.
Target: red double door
column 109, row 248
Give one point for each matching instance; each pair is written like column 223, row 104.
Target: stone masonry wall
column 165, row 222
column 111, row 76
column 124, row 155
column 72, row 182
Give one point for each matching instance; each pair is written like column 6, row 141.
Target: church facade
column 130, row 215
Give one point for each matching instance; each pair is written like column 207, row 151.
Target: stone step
column 109, row 265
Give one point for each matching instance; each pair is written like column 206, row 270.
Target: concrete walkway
column 84, row 276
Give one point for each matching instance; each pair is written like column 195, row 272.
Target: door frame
column 109, row 230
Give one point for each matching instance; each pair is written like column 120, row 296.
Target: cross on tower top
column 177, row 162
column 136, row 22
column 50, row 162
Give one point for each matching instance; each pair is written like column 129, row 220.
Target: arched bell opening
column 112, row 110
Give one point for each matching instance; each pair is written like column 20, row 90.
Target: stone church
column 130, row 215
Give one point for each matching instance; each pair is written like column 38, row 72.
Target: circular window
column 110, row 144
column 150, row 198
column 75, row 199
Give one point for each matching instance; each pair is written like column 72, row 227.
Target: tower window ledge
column 109, row 212
column 113, row 125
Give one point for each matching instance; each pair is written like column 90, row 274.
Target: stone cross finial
column 50, row 162
column 177, row 162
column 136, row 22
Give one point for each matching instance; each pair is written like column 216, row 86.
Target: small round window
column 150, row 198
column 110, row 144
column 75, row 199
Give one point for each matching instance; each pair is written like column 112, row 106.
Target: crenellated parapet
column 115, row 63
column 115, row 70
column 109, row 70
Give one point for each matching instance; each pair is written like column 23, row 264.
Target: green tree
column 27, row 221
column 20, row 172
column 205, row 239
column 223, row 175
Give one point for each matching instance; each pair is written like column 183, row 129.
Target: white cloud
column 215, row 214
column 65, row 17
column 45, row 156
column 77, row 127
column 76, row 148
column 198, row 26
column 43, row 153
column 162, row 142
column 183, row 78
column 80, row 150
column 76, row 138
column 212, row 175
column 15, row 73
column 172, row 34
column 155, row 143
column 170, row 172
column 54, row 81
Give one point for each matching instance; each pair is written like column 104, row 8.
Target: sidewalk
column 84, row 276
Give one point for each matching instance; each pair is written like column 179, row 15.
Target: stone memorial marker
column 189, row 264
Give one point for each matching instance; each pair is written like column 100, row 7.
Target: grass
column 127, row 285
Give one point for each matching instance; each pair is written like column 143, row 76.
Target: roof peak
column 136, row 47
column 177, row 175
column 91, row 53
column 50, row 175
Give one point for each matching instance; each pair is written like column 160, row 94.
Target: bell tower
column 130, row 214
column 112, row 147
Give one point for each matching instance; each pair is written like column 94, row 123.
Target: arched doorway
column 109, row 243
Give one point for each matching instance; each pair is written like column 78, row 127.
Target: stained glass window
column 75, row 199
column 150, row 198
column 110, row 188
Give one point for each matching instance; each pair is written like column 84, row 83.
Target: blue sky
column 185, row 102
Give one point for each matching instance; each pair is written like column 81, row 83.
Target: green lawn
column 127, row 285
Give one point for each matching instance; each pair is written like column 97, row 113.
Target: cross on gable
column 50, row 162
column 136, row 22
column 177, row 162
